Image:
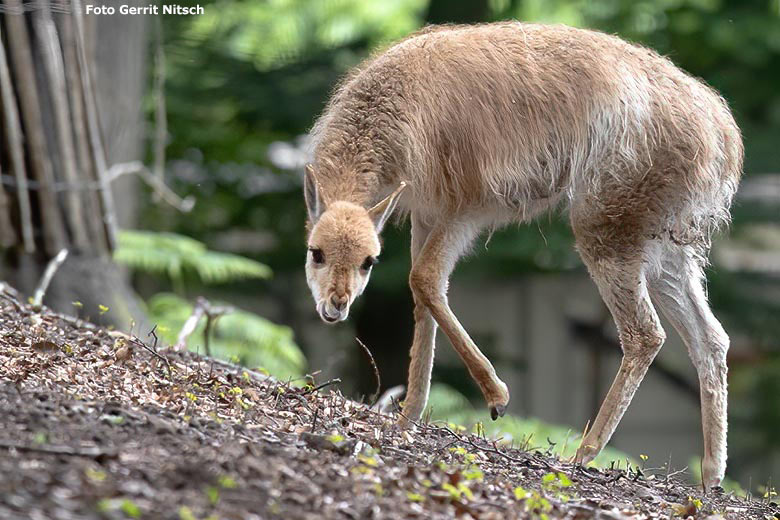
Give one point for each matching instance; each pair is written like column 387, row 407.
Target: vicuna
column 467, row 128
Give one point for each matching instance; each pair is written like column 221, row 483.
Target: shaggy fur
column 496, row 123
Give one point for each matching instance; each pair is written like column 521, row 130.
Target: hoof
column 497, row 411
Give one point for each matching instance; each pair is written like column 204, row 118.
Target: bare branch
column 51, row 269
column 212, row 315
column 189, row 327
column 373, row 398
column 202, row 308
column 184, row 205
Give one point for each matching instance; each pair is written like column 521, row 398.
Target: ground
column 99, row 424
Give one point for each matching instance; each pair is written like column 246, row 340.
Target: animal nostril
column 339, row 302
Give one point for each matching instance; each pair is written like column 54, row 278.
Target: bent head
column 343, row 247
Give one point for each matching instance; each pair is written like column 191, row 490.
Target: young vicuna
column 465, row 128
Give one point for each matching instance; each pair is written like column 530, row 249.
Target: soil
column 99, row 424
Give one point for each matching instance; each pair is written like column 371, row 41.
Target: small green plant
column 556, row 484
column 185, row 513
column 212, row 492
column 129, row 508
column 226, row 482
column 534, row 502
column 125, row 505
column 459, row 491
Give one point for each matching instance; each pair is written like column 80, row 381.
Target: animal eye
column 368, row 263
column 317, row 255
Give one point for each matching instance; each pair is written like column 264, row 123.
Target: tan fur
column 496, row 123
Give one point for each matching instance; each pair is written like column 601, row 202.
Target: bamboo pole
column 53, row 62
column 14, row 138
column 7, row 233
column 95, row 228
column 93, row 129
column 24, row 70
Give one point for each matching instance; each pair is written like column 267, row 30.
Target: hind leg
column 678, row 289
column 618, row 271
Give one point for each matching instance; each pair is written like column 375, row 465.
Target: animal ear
column 382, row 211
column 311, row 192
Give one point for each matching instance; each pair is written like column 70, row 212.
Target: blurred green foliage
column 238, row 336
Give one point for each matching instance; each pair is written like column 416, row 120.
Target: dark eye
column 317, row 255
column 368, row 263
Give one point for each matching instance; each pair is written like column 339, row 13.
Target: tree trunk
column 60, row 75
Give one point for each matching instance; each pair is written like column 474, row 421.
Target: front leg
column 428, row 279
column 424, row 342
column 420, row 365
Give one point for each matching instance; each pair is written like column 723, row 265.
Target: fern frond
column 214, row 267
column 172, row 255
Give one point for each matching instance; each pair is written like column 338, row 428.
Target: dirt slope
column 98, row 425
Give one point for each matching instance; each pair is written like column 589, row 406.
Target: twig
column 212, row 315
column 675, row 473
column 48, row 274
column 333, row 381
column 375, row 395
column 153, row 349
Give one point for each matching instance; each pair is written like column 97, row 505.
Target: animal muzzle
column 334, row 309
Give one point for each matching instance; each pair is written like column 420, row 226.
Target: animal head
column 343, row 247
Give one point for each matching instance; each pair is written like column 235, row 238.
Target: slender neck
column 347, row 175
column 360, row 144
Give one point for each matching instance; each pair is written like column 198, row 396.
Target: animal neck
column 351, row 178
column 356, row 156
